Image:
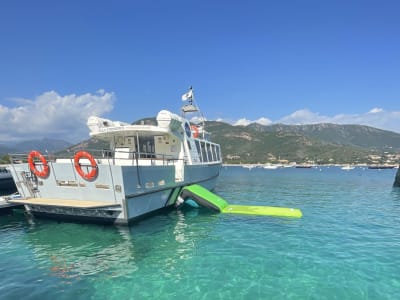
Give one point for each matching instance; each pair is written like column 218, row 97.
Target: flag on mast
column 188, row 95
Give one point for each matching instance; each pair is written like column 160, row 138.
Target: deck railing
column 105, row 156
column 116, row 157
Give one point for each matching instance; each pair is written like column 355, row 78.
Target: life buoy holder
column 90, row 175
column 195, row 131
column 44, row 172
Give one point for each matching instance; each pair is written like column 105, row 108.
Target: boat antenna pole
column 192, row 107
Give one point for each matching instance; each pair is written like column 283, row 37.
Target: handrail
column 101, row 154
column 134, row 156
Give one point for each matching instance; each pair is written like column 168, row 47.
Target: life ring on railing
column 83, row 154
column 195, row 131
column 32, row 166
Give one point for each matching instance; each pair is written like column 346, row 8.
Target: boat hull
column 125, row 193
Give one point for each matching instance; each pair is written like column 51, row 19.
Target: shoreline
column 369, row 166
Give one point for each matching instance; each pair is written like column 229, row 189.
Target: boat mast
column 192, row 107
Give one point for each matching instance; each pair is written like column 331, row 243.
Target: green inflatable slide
column 204, row 197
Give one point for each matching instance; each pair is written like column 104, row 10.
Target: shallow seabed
column 346, row 246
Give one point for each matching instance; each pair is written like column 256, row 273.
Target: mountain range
column 43, row 145
column 319, row 143
column 255, row 143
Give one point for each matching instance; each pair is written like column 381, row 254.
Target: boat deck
column 63, row 202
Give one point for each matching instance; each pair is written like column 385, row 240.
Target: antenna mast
column 192, row 107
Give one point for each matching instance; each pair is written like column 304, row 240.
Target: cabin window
column 106, row 153
column 197, row 143
column 209, row 152
column 213, row 147
column 146, row 146
column 188, row 144
column 218, row 153
column 204, row 152
column 120, row 141
column 187, row 129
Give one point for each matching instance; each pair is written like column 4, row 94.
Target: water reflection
column 170, row 241
column 70, row 250
column 158, row 244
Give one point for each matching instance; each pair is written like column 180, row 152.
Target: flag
column 188, row 95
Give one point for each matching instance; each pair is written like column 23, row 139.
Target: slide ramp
column 205, row 198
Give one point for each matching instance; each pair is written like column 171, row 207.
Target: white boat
column 143, row 171
column 249, row 167
column 347, row 167
column 271, row 167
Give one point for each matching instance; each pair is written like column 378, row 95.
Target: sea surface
column 346, row 246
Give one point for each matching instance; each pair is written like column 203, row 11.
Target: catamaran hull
column 126, row 193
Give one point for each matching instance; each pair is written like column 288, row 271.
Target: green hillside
column 318, row 143
column 248, row 145
column 322, row 143
column 352, row 135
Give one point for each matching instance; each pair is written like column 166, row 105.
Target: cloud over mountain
column 376, row 117
column 52, row 115
column 245, row 122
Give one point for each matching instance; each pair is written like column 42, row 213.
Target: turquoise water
column 346, row 246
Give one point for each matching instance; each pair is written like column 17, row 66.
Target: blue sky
column 294, row 62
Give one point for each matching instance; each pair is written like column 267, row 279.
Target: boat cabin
column 174, row 139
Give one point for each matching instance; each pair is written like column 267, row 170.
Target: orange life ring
column 32, row 165
column 83, row 154
column 195, row 131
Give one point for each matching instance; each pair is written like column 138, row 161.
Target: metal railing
column 101, row 155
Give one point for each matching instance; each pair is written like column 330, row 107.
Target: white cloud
column 242, row 122
column 303, row 116
column 376, row 117
column 52, row 115
column 263, row 121
column 198, row 119
column 375, row 110
column 245, row 122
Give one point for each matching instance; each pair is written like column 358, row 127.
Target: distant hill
column 43, row 145
column 319, row 143
column 247, row 144
column 93, row 144
column 255, row 143
column 352, row 135
column 6, row 149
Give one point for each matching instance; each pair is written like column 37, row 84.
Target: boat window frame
column 198, row 148
column 203, row 146
column 209, row 152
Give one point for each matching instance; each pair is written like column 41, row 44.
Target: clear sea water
column 346, row 246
